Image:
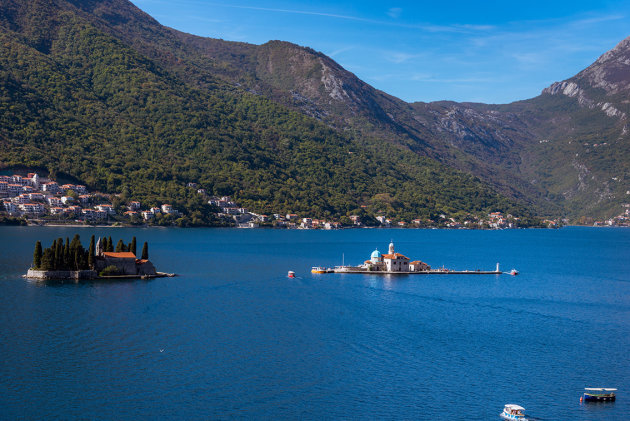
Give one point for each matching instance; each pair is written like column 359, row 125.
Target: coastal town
column 43, row 200
column 32, row 199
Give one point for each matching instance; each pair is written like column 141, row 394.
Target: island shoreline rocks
column 85, row 275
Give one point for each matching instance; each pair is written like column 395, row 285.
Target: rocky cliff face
column 604, row 85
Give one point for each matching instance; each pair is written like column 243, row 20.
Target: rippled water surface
column 233, row 337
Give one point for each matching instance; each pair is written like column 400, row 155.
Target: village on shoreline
column 33, row 200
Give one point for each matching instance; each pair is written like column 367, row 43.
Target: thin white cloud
column 529, row 58
column 394, row 12
column 298, row 12
column 382, row 77
column 203, row 19
column 399, row 57
column 456, row 28
column 421, row 77
column 339, row 51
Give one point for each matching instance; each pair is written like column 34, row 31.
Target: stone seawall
column 61, row 274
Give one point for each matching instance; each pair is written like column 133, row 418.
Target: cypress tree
column 110, row 244
column 60, row 254
column 67, row 257
column 75, row 243
column 37, row 255
column 77, row 259
column 91, row 252
column 132, row 246
column 145, row 251
column 48, row 259
column 84, row 259
column 104, row 244
column 120, row 246
column 55, row 255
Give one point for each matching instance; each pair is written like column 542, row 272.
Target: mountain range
column 101, row 92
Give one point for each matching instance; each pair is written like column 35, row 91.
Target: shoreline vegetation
column 69, row 260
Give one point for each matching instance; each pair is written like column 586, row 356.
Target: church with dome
column 393, row 262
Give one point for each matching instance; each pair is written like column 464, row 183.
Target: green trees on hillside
column 144, row 133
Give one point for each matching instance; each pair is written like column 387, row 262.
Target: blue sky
column 482, row 51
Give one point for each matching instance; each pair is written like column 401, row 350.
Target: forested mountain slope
column 99, row 91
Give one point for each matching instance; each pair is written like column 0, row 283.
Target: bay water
column 232, row 337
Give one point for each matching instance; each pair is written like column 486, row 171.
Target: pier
column 425, row 272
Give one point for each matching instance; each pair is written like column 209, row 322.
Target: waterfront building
column 32, row 209
column 392, row 262
column 125, row 262
column 395, row 262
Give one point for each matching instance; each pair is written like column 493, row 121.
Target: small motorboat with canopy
column 513, row 412
column 599, row 394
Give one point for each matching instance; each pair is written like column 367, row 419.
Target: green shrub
column 109, row 271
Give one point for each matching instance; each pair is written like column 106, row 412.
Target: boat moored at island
column 513, row 412
column 599, row 394
column 321, row 269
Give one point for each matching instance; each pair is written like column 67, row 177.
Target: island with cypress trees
column 70, row 260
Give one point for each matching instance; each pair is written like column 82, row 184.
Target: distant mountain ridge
column 538, row 152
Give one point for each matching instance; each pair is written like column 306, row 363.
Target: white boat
column 513, row 412
column 291, row 274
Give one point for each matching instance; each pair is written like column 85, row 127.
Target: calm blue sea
column 233, row 337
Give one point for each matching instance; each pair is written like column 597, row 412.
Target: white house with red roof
column 392, row 262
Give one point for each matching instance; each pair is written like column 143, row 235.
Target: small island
column 69, row 260
column 396, row 263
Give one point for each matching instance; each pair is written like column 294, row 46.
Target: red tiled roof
column 121, row 255
column 395, row 256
